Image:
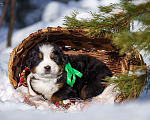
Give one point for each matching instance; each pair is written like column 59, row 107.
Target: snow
column 3, row 37
column 137, row 2
column 136, row 111
column 107, row 2
column 12, row 106
column 56, row 8
column 136, row 26
column 84, row 16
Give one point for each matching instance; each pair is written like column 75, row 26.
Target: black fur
column 93, row 70
column 88, row 86
column 33, row 57
column 59, row 56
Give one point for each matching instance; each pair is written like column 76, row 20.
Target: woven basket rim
column 82, row 32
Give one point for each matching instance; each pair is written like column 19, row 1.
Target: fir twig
column 130, row 85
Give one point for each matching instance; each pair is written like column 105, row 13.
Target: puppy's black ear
column 32, row 56
column 59, row 51
column 29, row 61
column 65, row 58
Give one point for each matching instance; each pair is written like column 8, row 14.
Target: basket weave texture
column 79, row 43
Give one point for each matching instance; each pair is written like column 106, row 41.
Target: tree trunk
column 12, row 22
column 4, row 13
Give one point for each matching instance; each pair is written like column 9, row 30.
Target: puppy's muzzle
column 47, row 69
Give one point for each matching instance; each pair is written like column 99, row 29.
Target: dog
column 48, row 76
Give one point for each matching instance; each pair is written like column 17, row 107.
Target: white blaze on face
column 46, row 51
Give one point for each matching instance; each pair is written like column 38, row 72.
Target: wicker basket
column 100, row 48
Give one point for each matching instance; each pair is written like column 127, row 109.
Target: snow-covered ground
column 12, row 109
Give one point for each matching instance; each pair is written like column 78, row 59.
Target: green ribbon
column 72, row 72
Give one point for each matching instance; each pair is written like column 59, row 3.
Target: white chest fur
column 44, row 86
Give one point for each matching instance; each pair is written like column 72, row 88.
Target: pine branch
column 130, row 85
column 139, row 40
column 101, row 22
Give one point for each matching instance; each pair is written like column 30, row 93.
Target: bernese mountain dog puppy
column 49, row 78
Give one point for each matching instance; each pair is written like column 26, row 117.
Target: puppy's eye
column 40, row 55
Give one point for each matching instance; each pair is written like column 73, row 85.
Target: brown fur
column 55, row 99
column 83, row 94
column 40, row 55
column 52, row 55
column 34, row 70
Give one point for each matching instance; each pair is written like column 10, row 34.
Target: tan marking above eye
column 34, row 70
column 40, row 55
column 60, row 68
column 52, row 55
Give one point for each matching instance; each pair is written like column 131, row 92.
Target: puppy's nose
column 47, row 68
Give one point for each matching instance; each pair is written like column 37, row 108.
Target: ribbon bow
column 72, row 72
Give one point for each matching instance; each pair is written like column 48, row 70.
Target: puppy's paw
column 55, row 99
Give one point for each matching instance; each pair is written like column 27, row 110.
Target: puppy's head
column 46, row 60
